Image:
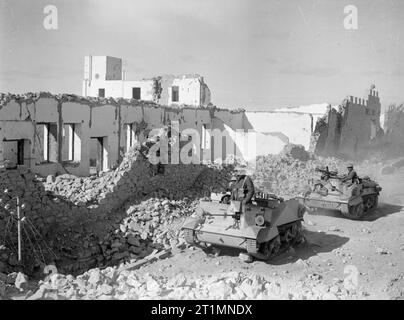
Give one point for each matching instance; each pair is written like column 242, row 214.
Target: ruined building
column 80, row 135
column 349, row 129
column 103, row 77
column 70, row 134
column 392, row 142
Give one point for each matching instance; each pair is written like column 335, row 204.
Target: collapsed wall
column 79, row 222
column 393, row 139
column 349, row 131
column 69, row 134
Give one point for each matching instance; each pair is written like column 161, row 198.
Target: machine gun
column 327, row 174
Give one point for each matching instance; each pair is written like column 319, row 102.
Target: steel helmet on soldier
column 240, row 170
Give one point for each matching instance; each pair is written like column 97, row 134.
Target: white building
column 103, row 78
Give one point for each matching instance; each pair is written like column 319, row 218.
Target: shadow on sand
column 384, row 209
column 316, row 242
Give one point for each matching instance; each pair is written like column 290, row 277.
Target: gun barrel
column 327, row 172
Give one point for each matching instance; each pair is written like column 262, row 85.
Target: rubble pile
column 287, row 176
column 153, row 223
column 395, row 287
column 39, row 211
column 114, row 283
column 136, row 178
column 296, row 151
column 87, row 220
column 312, row 287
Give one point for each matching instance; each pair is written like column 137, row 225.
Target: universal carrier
column 262, row 228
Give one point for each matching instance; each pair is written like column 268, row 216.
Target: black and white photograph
column 215, row 153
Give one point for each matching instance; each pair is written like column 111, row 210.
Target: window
column 190, row 151
column 136, row 93
column 175, row 90
column 71, row 148
column 46, row 142
column 205, row 137
column 131, row 135
column 101, row 93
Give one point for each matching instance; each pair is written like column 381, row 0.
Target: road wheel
column 267, row 250
column 271, row 248
column 376, row 202
column 367, row 203
column 297, row 232
column 354, row 212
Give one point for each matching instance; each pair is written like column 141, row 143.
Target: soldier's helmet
column 350, row 165
column 240, row 170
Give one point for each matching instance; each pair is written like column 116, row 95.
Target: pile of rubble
column 87, row 221
column 39, row 211
column 153, row 223
column 296, row 151
column 287, row 176
column 115, row 283
column 136, row 178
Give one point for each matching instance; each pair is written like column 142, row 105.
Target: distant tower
column 102, row 68
column 373, row 94
column 99, row 69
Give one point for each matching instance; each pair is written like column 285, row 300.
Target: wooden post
column 19, row 229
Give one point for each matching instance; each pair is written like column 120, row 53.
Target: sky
column 253, row 54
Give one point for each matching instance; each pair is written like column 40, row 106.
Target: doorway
column 98, row 154
column 15, row 151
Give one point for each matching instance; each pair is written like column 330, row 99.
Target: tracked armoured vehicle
column 263, row 228
column 353, row 200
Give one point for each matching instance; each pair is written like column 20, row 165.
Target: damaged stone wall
column 392, row 142
column 103, row 76
column 349, row 131
column 76, row 217
column 108, row 122
column 193, row 90
column 277, row 129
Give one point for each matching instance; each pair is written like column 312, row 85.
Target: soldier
column 242, row 188
column 233, row 180
column 351, row 176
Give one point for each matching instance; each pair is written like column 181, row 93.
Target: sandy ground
column 372, row 250
column 369, row 253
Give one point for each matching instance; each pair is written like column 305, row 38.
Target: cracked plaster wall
column 20, row 116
